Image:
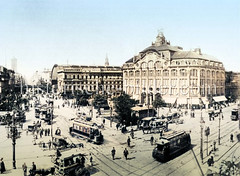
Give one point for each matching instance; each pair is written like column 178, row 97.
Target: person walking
column 125, row 153
column 132, row 133
column 83, row 161
column 91, row 159
column 128, row 141
column 49, row 144
column 231, row 137
column 2, row 166
column 24, row 167
column 113, row 153
column 151, row 140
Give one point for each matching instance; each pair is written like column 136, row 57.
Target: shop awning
column 170, row 100
column 205, row 100
column 182, row 101
column 219, row 98
column 194, row 101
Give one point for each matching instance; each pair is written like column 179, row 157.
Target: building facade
column 232, row 85
column 7, row 80
column 102, row 79
column 180, row 77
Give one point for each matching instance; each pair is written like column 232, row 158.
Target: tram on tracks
column 171, row 144
column 86, row 130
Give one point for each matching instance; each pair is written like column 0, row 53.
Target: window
column 174, row 72
column 144, row 65
column 183, row 72
column 193, row 73
column 137, row 73
column 150, row 64
column 165, row 73
column 158, row 64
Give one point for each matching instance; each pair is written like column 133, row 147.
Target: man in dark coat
column 2, row 165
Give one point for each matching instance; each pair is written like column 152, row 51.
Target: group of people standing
column 32, row 171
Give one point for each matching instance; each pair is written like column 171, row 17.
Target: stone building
column 7, row 80
column 183, row 78
column 232, row 85
column 102, row 79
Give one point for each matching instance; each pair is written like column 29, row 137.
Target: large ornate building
column 69, row 78
column 181, row 77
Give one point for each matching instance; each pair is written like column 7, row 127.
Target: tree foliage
column 100, row 100
column 158, row 102
column 123, row 105
column 81, row 98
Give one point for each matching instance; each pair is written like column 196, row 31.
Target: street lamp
column 201, row 139
column 219, row 115
column 13, row 130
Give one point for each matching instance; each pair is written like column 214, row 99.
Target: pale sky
column 41, row 33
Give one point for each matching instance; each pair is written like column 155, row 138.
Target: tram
column 171, row 144
column 86, row 130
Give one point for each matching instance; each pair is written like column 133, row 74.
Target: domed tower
column 160, row 39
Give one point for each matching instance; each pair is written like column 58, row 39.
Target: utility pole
column 219, row 128
column 201, row 139
column 111, row 117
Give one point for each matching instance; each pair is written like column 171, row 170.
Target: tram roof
column 167, row 137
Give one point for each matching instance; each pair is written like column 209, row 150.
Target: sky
column 41, row 33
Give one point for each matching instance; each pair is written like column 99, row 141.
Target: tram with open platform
column 171, row 144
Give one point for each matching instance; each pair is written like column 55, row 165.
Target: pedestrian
column 33, row 170
column 83, row 161
column 128, row 141
column 103, row 121
column 2, row 166
column 113, row 153
column 132, row 133
column 91, row 159
column 24, row 167
column 49, row 144
column 117, row 125
column 161, row 132
column 222, row 117
column 125, row 153
column 214, row 146
column 231, row 137
column 48, row 131
column 151, row 140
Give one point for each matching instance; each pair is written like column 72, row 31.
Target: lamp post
column 207, row 132
column 201, row 139
column 14, row 133
column 219, row 128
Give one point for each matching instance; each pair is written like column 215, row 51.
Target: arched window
column 202, row 73
column 165, row 73
column 158, row 64
column 144, row 65
column 150, row 64
column 193, row 72
column 137, row 73
column 183, row 72
column 213, row 74
column 174, row 72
